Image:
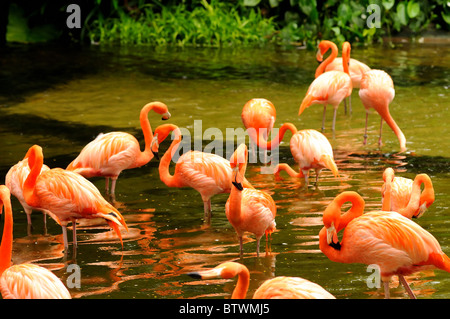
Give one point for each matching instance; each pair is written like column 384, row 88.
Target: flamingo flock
column 388, row 237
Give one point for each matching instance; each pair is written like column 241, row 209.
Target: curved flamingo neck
column 324, row 47
column 240, row 291
column 166, row 177
column 285, row 167
column 6, row 245
column 147, row 155
column 428, row 191
column 340, row 221
column 388, row 177
column 383, row 110
column 346, row 57
column 35, row 162
column 263, row 143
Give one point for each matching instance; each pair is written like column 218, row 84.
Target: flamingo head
column 238, row 163
column 160, row 134
column 225, row 270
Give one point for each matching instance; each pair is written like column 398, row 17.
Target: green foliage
column 245, row 22
column 210, row 24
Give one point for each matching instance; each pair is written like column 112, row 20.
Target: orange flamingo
column 377, row 92
column 14, row 180
column 311, row 150
column 68, row 195
column 387, row 239
column 248, row 209
column 109, row 154
column 356, row 68
column 23, row 281
column 328, row 87
column 258, row 116
column 397, row 193
column 276, row 288
column 207, row 173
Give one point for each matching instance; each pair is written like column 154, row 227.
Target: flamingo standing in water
column 14, row 180
column 248, row 209
column 311, row 150
column 207, row 173
column 109, row 154
column 377, row 92
column 387, row 239
column 328, row 87
column 23, row 281
column 67, row 195
column 397, row 193
column 356, row 68
column 276, row 288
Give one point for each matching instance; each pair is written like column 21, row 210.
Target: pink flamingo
column 248, row 209
column 397, row 193
column 328, row 87
column 276, row 288
column 207, row 173
column 14, row 180
column 377, row 92
column 356, row 68
column 68, row 195
column 23, row 281
column 109, row 154
column 311, row 150
column 387, row 239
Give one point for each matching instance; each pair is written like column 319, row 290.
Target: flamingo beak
column 206, row 274
column 156, row 144
column 319, row 56
column 422, row 210
column 332, row 238
column 166, row 116
column 236, row 183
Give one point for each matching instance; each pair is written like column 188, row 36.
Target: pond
column 62, row 98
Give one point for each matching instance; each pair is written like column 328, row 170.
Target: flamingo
column 395, row 243
column 248, row 209
column 14, row 180
column 207, row 173
column 68, row 195
column 109, row 154
column 311, row 150
column 23, row 281
column 328, row 87
column 356, row 68
column 397, row 192
column 258, row 116
column 276, row 288
column 377, row 92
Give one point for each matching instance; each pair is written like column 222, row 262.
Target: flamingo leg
column 334, row 119
column 323, row 117
column 258, row 240
column 107, row 185
column 207, row 210
column 345, row 106
column 407, row 287
column 66, row 244
column 381, row 130
column 317, row 176
column 241, row 246
column 113, row 186
column 74, row 233
column 365, row 131
column 306, row 175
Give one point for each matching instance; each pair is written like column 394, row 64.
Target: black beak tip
column 238, row 186
column 194, row 275
column 164, row 118
column 156, row 155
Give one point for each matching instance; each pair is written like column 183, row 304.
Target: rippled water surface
column 62, row 98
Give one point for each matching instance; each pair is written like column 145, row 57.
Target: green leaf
column 251, row 3
column 307, row 6
column 387, row 4
column 401, row 13
column 273, row 3
column 446, row 16
column 413, row 9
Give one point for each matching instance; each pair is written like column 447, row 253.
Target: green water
column 62, row 98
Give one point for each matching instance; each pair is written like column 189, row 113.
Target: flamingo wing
column 107, row 155
column 308, row 147
column 28, row 281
